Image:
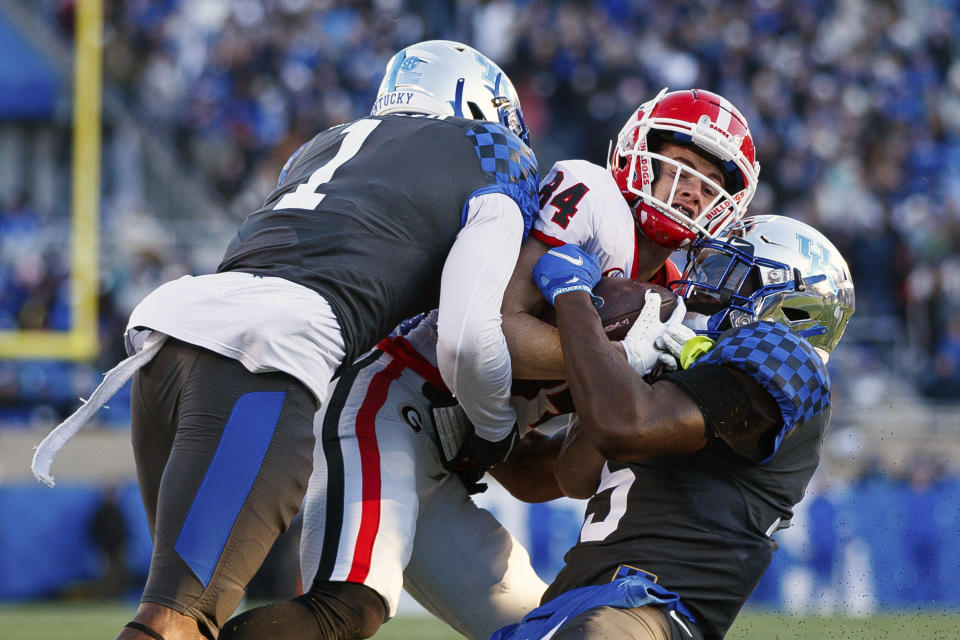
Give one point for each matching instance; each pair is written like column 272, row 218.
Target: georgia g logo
column 412, row 417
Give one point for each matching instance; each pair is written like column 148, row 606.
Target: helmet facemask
column 763, row 268
column 725, row 283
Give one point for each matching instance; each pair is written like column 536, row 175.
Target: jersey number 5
column 566, row 201
column 306, row 196
column 619, row 483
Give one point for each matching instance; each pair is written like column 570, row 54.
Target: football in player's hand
column 621, row 300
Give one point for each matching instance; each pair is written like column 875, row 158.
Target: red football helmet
column 712, row 127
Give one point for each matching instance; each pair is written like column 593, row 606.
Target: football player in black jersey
column 692, row 472
column 421, row 205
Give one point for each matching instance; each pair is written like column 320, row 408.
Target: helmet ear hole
column 795, row 315
column 475, row 111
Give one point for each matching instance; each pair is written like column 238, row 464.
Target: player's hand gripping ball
column 653, row 342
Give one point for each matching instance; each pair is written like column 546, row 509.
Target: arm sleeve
column 471, row 350
column 784, row 365
column 735, row 408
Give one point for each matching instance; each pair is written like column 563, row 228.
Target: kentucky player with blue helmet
column 692, row 472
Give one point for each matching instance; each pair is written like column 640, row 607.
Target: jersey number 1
column 306, row 196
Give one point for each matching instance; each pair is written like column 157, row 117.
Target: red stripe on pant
column 370, row 466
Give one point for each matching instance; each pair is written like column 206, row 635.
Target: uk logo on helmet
column 819, row 255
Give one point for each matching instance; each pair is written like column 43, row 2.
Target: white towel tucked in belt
column 48, row 448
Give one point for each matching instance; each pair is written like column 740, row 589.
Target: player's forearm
column 624, row 417
column 534, row 346
column 611, row 399
column 579, row 464
column 528, row 474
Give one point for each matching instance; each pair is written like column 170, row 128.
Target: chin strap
column 142, row 628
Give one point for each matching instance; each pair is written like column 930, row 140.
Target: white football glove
column 675, row 334
column 651, row 341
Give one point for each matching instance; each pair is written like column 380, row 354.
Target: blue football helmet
column 770, row 268
column 446, row 78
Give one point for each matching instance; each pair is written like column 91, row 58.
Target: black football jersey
column 701, row 524
column 365, row 214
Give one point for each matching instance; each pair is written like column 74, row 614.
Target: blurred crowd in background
column 854, row 106
column 876, row 544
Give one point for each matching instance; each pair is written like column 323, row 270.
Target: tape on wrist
column 571, row 288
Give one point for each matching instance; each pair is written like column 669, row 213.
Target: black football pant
column 223, row 458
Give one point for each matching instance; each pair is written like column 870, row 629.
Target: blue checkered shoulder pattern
column 783, row 363
column 509, row 167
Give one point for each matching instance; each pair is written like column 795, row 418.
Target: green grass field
column 86, row 621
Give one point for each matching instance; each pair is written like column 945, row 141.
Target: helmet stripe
column 725, row 115
column 395, row 70
column 457, row 102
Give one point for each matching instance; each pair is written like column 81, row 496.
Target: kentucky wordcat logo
column 390, row 99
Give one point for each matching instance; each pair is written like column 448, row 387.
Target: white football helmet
column 442, row 77
column 770, row 268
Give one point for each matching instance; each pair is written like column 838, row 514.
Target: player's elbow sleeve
column 465, row 355
column 447, row 360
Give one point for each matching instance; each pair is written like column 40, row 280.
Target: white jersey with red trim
column 581, row 204
column 415, row 343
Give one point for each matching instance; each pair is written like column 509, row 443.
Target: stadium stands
column 857, row 134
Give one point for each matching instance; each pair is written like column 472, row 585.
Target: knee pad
column 345, row 609
column 329, row 611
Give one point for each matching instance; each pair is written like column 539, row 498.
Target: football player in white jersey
column 682, row 167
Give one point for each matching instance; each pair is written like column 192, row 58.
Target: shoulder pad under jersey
column 508, row 165
column 581, row 204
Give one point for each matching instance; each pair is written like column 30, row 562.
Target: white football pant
column 382, row 511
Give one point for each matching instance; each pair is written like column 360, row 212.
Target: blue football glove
column 564, row 269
